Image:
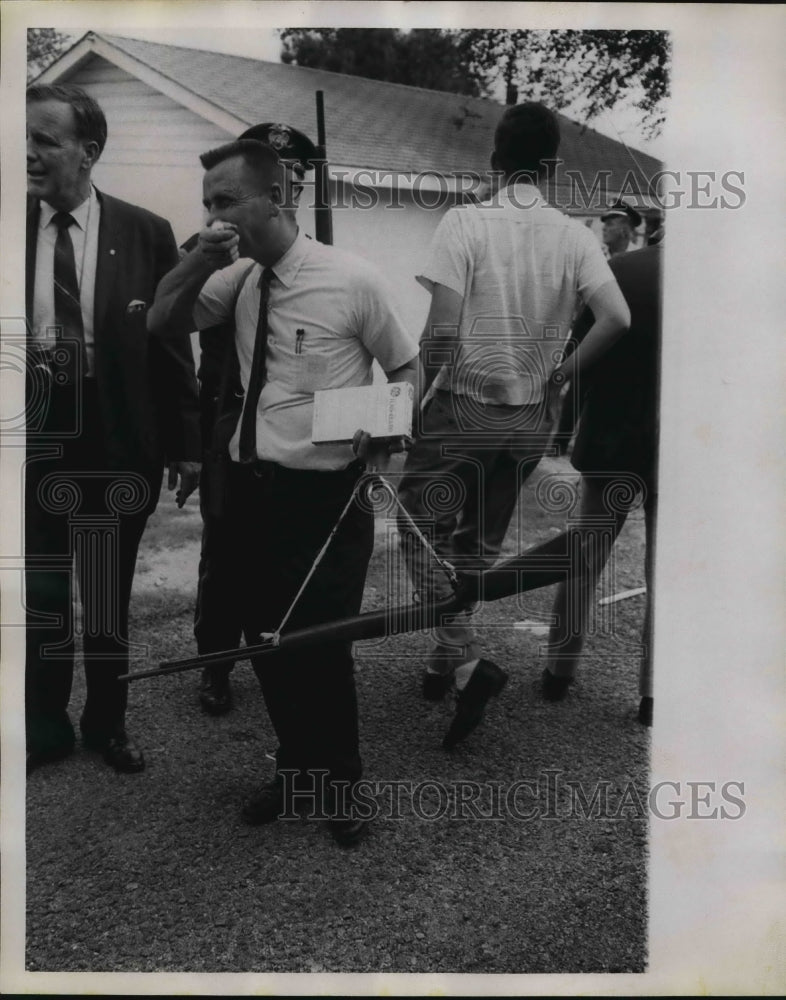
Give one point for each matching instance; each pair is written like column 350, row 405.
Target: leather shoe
column 117, row 749
column 265, row 805
column 345, row 826
column 435, row 686
column 486, row 681
column 645, row 711
column 554, row 688
column 347, row 832
column 215, row 694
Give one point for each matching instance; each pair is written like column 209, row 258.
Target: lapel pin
column 112, row 253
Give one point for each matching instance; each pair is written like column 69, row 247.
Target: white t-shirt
column 522, row 269
column 330, row 315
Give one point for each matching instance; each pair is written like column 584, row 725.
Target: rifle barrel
column 551, row 562
column 323, row 214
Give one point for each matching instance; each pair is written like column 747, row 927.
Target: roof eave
column 93, row 44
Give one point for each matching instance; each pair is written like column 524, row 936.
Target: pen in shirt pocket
column 299, row 335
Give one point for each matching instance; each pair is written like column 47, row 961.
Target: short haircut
column 526, row 138
column 260, row 158
column 90, row 119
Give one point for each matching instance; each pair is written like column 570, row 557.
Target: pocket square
column 135, row 306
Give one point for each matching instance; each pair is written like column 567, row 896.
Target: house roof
column 369, row 123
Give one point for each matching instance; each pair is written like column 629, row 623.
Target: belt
column 270, row 471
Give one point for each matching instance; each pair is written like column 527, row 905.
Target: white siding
column 395, row 239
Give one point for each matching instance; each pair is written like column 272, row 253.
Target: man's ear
column 494, row 160
column 276, row 199
column 90, row 156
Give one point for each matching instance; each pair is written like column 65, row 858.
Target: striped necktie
column 256, row 379
column 68, row 308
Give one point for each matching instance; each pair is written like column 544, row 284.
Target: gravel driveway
column 155, row 872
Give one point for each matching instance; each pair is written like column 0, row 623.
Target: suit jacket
column 220, row 389
column 619, row 419
column 146, row 385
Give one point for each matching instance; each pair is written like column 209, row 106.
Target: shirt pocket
column 312, row 362
column 311, row 371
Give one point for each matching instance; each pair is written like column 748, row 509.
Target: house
column 399, row 155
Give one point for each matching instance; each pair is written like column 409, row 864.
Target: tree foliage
column 583, row 72
column 44, row 45
column 421, row 58
column 586, row 72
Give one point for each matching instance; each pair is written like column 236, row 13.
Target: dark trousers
column 217, row 623
column 276, row 522
column 78, row 511
column 603, row 515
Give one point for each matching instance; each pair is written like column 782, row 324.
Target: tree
column 583, row 72
column 586, row 72
column 421, row 58
column 44, row 45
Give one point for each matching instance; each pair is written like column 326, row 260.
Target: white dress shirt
column 331, row 314
column 84, row 237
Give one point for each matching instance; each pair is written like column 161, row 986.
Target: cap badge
column 278, row 136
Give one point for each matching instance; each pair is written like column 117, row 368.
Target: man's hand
column 189, row 479
column 376, row 453
column 554, row 388
column 172, row 311
column 218, row 244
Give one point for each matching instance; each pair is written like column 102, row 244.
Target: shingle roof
column 371, row 123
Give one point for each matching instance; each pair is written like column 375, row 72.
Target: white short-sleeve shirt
column 522, row 269
column 330, row 315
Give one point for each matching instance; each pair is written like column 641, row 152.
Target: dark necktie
column 256, row 379
column 68, row 308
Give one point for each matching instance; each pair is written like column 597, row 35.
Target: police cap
column 290, row 144
column 622, row 209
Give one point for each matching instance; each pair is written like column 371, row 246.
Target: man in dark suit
column 616, row 454
column 107, row 406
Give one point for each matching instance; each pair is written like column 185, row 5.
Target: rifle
column 552, row 561
column 323, row 213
